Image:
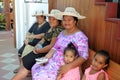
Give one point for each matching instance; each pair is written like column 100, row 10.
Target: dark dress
column 29, row 59
column 35, row 30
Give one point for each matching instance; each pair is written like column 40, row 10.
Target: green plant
column 2, row 20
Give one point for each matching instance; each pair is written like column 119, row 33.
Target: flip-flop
column 16, row 70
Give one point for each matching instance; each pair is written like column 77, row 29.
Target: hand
column 29, row 36
column 59, row 77
column 26, row 41
column 36, row 50
column 48, row 56
column 64, row 69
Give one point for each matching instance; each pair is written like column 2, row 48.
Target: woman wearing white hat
column 71, row 34
column 47, row 43
column 35, row 33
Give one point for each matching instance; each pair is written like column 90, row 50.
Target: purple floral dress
column 49, row 71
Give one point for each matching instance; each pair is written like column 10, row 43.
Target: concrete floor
column 8, row 56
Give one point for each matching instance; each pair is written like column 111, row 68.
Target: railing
column 118, row 11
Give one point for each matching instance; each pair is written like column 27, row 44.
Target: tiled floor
column 8, row 56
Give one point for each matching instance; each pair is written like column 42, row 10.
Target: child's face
column 98, row 62
column 69, row 57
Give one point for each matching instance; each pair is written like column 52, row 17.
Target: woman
column 71, row 34
column 47, row 44
column 36, row 32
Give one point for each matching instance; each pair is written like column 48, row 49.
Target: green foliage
column 2, row 20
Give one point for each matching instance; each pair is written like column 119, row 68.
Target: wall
column 102, row 34
column 24, row 19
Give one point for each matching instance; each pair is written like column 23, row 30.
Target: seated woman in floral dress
column 71, row 33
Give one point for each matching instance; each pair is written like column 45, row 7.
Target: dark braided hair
column 72, row 48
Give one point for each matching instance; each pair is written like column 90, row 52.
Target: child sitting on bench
column 95, row 71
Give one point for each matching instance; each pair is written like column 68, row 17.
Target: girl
column 70, row 54
column 95, row 71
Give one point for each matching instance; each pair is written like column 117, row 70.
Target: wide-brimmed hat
column 39, row 13
column 72, row 12
column 55, row 13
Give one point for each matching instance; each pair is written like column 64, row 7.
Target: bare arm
column 59, row 77
column 84, row 77
column 37, row 36
column 50, row 54
column 65, row 68
column 41, row 41
column 46, row 48
column 101, row 76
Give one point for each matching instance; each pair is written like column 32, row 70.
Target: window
column 33, row 1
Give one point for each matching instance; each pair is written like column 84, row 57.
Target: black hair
column 76, row 19
column 44, row 17
column 60, row 22
column 104, row 53
column 72, row 48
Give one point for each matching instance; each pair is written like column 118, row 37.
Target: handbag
column 27, row 49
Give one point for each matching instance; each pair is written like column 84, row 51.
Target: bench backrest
column 113, row 69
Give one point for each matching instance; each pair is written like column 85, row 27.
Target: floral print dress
column 50, row 70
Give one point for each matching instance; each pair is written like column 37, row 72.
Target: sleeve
column 32, row 28
column 46, row 27
column 56, row 44
column 56, row 32
column 82, row 46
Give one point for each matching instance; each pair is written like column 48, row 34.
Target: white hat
column 39, row 13
column 72, row 12
column 55, row 13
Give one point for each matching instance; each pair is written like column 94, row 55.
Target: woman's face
column 53, row 22
column 40, row 19
column 68, row 22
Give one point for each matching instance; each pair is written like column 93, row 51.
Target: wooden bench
column 113, row 69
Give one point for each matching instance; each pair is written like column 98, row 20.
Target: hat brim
column 74, row 15
column 49, row 15
column 38, row 15
column 59, row 17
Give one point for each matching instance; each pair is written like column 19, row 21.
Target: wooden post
column 7, row 13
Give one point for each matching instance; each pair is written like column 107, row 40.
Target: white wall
column 24, row 19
